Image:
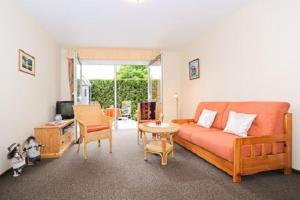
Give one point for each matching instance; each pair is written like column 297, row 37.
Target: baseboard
column 6, row 171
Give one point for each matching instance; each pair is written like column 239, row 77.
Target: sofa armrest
column 250, row 140
column 258, row 140
column 183, row 121
column 257, row 163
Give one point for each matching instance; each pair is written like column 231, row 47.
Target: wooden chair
column 158, row 116
column 94, row 125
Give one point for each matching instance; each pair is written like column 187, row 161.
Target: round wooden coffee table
column 160, row 146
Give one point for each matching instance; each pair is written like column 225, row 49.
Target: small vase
column 58, row 117
column 158, row 122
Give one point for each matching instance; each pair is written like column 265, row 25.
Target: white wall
column 26, row 101
column 171, row 61
column 252, row 55
column 64, row 77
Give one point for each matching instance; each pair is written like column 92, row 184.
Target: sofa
column 267, row 147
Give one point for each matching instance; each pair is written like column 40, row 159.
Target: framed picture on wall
column 26, row 63
column 194, row 69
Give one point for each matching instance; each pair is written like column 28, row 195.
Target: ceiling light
column 137, row 1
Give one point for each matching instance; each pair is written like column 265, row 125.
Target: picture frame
column 26, row 63
column 194, row 69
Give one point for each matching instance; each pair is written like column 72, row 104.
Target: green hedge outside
column 128, row 90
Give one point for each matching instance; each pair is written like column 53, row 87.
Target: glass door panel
column 102, row 81
column 77, row 90
column 77, row 79
column 132, row 87
column 155, row 80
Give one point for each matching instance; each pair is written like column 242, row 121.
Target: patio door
column 155, row 80
column 77, row 79
column 118, row 87
column 77, row 76
column 132, row 87
column 102, row 79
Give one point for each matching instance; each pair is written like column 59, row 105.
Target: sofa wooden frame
column 255, row 163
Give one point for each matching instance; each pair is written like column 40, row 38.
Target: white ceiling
column 124, row 23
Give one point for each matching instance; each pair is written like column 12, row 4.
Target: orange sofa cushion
column 93, row 128
column 221, row 144
column 269, row 116
column 186, row 131
column 216, row 106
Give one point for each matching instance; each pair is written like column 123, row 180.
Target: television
column 65, row 108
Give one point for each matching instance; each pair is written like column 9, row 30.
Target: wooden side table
column 160, row 146
column 55, row 138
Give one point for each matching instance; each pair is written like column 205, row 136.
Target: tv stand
column 56, row 139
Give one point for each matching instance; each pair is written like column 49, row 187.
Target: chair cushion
column 269, row 116
column 186, row 131
column 94, row 128
column 221, row 144
column 219, row 107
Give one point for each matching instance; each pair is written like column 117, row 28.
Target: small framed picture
column 194, row 69
column 26, row 63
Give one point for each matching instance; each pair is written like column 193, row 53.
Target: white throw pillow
column 239, row 123
column 207, row 118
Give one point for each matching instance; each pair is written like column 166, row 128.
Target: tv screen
column 65, row 108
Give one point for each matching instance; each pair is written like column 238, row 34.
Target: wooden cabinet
column 55, row 139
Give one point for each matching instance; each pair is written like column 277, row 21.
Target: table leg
column 164, row 158
column 172, row 143
column 145, row 143
column 145, row 155
column 138, row 136
column 154, row 136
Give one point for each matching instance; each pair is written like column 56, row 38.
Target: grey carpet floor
column 125, row 175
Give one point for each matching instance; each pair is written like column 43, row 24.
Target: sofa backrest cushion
column 216, row 106
column 269, row 116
